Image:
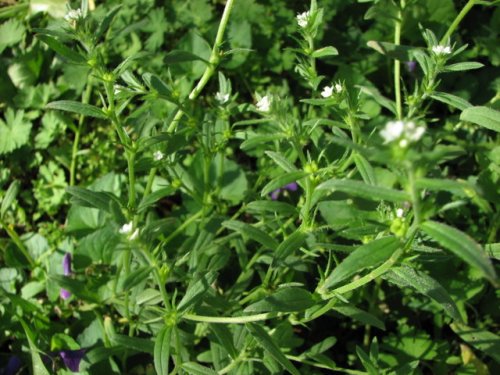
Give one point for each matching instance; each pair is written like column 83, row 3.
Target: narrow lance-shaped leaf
column 196, row 291
column 283, row 180
column 162, row 350
column 194, row 368
column 291, row 244
column 368, row 255
column 271, row 347
column 461, row 245
column 360, row 189
column 287, row 299
column 480, row 339
column 453, row 100
column 77, row 107
column 9, row 197
column 252, row 232
column 62, row 49
column 483, row 116
column 423, row 283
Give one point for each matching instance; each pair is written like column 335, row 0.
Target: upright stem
column 212, row 63
column 76, row 141
column 457, row 21
column 17, row 241
column 397, row 63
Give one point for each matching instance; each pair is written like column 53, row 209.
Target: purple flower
column 66, row 263
column 72, row 358
column 12, row 367
column 410, row 66
column 290, row 187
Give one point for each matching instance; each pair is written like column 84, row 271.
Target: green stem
column 212, row 64
column 131, row 179
column 230, row 319
column 181, row 228
column 397, row 63
column 17, row 241
column 415, row 198
column 76, row 141
column 457, row 21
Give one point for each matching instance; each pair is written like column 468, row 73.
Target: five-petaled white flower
column 303, row 19
column 392, row 131
column 338, row 88
column 327, row 91
column 264, row 104
column 158, row 155
column 400, row 212
column 221, row 98
column 441, row 50
column 73, row 15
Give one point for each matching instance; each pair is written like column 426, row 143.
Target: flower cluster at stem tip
column 441, row 50
column 329, row 90
column 303, row 19
column 405, row 132
column 222, row 98
column 73, row 15
column 127, row 229
column 264, row 104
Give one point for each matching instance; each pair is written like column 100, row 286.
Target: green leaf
column 493, row 250
column 63, row 50
column 281, row 161
column 290, row 245
column 14, row 132
column 194, row 368
column 286, row 299
column 407, row 276
column 483, row 116
column 360, row 189
column 88, row 198
column 9, row 197
column 282, row 180
column 453, row 100
column 225, row 338
column 398, row 52
column 460, row 67
column 196, row 290
column 252, row 233
column 365, row 169
column 136, row 277
column 76, row 287
column 324, row 52
column 106, row 22
column 258, row 140
column 179, row 56
column 360, row 315
column 367, row 363
column 461, row 245
column 154, row 197
column 270, row 346
column 379, row 98
column 481, row 339
column 11, row 33
column 156, row 83
column 77, row 107
column 271, row 207
column 135, row 343
column 36, row 361
column 162, row 350
column 368, row 255
column 460, row 188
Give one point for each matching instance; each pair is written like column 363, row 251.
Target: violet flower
column 410, row 66
column 66, row 263
column 290, row 187
column 72, row 358
column 13, row 366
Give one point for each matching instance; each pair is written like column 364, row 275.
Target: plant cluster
column 249, row 187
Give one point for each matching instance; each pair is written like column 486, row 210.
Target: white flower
column 117, row 89
column 338, row 88
column 158, row 155
column 413, row 133
column 400, row 212
column 441, row 50
column 221, row 98
column 73, row 15
column 327, row 91
column 126, row 228
column 303, row 19
column 264, row 104
column 392, row 131
column 403, row 143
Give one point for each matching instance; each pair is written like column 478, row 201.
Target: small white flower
column 327, row 91
column 400, row 212
column 415, row 133
column 441, row 50
column 338, row 88
column 303, row 19
column 73, row 15
column 126, row 228
column 403, row 143
column 158, row 155
column 222, row 98
column 117, row 89
column 264, row 104
column 392, row 131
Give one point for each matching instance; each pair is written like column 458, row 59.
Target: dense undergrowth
column 249, row 187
